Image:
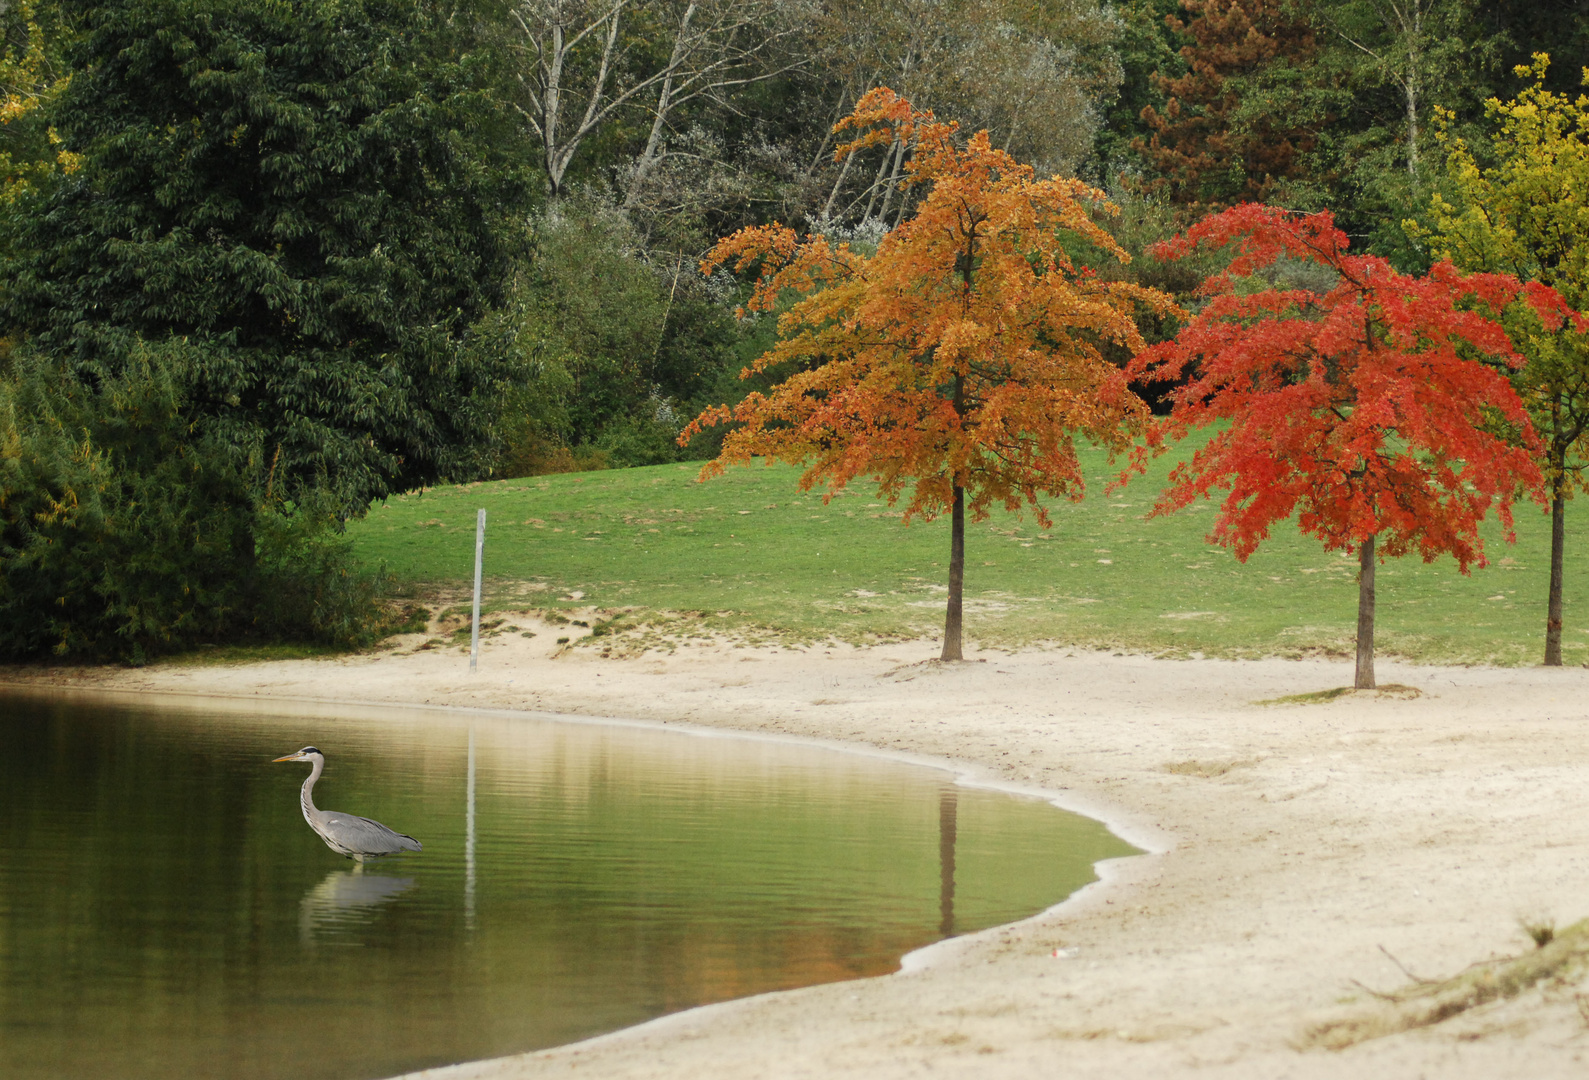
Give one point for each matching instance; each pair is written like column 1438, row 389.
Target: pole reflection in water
column 948, row 812
column 468, row 842
column 164, row 912
column 346, row 899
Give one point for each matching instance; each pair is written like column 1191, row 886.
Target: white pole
column 479, row 556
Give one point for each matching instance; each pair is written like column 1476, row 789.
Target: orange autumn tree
column 956, row 365
column 1375, row 410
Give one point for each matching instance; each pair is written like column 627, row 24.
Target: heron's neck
column 306, row 797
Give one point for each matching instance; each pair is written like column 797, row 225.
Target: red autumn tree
column 1372, row 409
column 956, row 364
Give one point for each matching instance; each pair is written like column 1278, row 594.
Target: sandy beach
column 1301, row 857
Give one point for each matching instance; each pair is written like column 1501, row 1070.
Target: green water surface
column 166, row 912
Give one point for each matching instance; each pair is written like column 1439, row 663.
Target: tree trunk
column 1558, row 543
column 877, row 182
column 1412, row 131
column 1414, row 84
column 893, row 181
column 957, row 576
column 957, row 533
column 659, row 122
column 551, row 111
column 1365, row 615
column 827, row 207
column 557, row 149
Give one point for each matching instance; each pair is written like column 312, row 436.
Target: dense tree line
column 268, row 262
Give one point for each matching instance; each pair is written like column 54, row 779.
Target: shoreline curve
column 1290, row 848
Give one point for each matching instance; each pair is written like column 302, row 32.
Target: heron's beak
column 289, row 757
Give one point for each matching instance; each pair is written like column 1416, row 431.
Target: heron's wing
column 363, row 835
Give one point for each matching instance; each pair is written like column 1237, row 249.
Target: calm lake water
column 165, row 911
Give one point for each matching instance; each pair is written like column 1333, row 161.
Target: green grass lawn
column 749, row 553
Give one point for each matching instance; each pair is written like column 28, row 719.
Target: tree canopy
column 1361, row 407
column 378, row 244
column 957, row 364
column 305, row 189
column 1524, row 215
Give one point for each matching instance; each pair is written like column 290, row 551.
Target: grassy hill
column 750, row 553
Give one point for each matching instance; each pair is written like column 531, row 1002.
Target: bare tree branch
column 572, row 90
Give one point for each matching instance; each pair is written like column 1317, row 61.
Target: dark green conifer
column 305, row 190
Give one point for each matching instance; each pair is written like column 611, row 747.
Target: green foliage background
column 267, row 263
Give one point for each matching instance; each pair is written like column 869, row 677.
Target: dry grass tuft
column 1428, row 1002
column 1540, row 930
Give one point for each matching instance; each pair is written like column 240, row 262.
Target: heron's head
column 308, row 753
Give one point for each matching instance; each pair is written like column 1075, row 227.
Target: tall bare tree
column 1413, row 45
column 587, row 61
column 1033, row 75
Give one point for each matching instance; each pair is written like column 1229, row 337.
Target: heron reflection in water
column 345, row 899
column 356, row 837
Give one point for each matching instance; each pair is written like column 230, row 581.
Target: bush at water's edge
column 131, row 526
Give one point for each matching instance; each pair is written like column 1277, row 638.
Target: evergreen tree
column 305, row 191
column 1149, row 51
column 1230, row 131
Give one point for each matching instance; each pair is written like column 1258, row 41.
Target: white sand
column 1427, row 827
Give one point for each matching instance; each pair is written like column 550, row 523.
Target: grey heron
column 346, row 834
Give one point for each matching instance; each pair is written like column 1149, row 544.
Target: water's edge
column 1152, row 840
